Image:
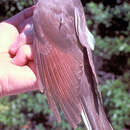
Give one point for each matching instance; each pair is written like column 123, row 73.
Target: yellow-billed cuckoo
column 64, row 63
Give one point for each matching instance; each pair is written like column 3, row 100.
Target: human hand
column 17, row 73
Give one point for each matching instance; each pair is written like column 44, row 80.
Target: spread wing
column 60, row 57
column 59, row 62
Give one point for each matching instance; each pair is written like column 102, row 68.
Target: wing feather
column 92, row 105
column 62, row 84
column 61, row 62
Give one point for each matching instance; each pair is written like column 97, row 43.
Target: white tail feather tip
column 86, row 121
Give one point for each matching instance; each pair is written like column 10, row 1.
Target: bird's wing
column 97, row 118
column 59, row 61
column 83, row 36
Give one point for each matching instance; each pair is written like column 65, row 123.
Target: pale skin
column 17, row 71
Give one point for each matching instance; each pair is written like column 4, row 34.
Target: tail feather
column 86, row 120
column 93, row 119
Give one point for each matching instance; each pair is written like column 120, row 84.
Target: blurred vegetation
column 109, row 22
column 117, row 101
column 11, row 7
column 111, row 27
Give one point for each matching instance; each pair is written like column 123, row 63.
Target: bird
column 64, row 64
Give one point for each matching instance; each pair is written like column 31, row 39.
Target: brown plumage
column 64, row 63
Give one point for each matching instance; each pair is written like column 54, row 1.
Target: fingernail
column 13, row 51
column 13, row 60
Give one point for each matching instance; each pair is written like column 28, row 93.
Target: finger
column 24, row 55
column 22, row 80
column 24, row 25
column 24, row 38
column 21, row 17
column 28, row 30
column 32, row 66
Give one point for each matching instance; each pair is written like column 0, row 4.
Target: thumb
column 8, row 35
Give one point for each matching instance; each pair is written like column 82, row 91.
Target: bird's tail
column 86, row 120
column 95, row 121
column 93, row 113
